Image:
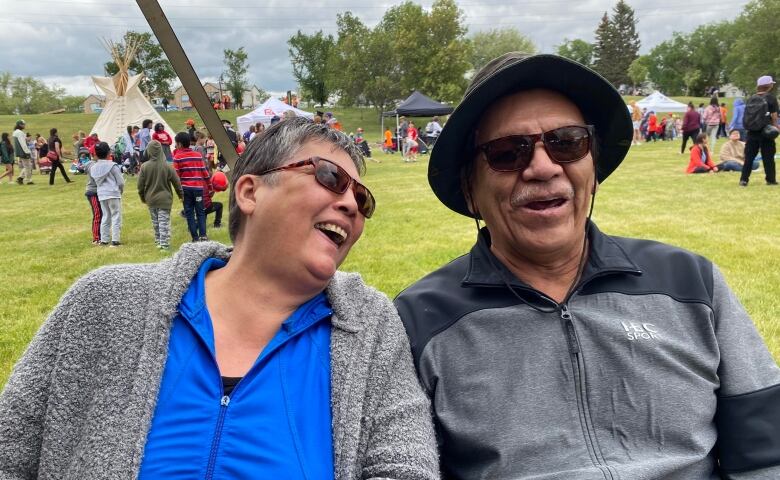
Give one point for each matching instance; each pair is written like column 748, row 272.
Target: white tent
column 265, row 112
column 658, row 102
column 132, row 108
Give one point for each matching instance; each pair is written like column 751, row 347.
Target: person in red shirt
column 411, row 138
column 701, row 158
column 195, row 182
column 165, row 140
column 652, row 127
column 90, row 142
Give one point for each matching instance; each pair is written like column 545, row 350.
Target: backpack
column 756, row 113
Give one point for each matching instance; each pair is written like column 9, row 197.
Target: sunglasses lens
column 332, row 177
column 337, row 180
column 567, row 144
column 508, row 154
column 365, row 201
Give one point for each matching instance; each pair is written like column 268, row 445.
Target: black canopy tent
column 416, row 105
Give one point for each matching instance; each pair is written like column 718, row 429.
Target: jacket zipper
column 580, row 388
column 223, row 405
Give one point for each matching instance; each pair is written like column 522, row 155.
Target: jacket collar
column 180, row 270
column 605, row 257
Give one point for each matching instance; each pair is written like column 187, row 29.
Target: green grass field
column 45, row 230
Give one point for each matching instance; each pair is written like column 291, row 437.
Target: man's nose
column 542, row 167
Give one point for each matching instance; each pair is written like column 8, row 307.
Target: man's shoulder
column 665, row 269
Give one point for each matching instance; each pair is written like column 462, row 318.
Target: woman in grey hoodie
column 110, row 184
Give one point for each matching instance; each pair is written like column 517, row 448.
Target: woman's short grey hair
column 277, row 146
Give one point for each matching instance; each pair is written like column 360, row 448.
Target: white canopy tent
column 265, row 112
column 132, row 108
column 658, row 102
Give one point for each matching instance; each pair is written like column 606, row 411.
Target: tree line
column 714, row 54
column 411, row 48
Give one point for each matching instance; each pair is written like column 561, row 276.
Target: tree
column 236, row 68
column 447, row 52
column 638, row 70
column 626, row 40
column 617, row 44
column 755, row 37
column 310, row 56
column 348, row 69
column 151, row 61
column 27, row 95
column 490, row 44
column 578, row 50
column 604, row 48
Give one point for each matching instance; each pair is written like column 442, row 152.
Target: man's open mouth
column 545, row 204
column 334, row 232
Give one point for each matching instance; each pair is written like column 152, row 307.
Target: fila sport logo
column 640, row 331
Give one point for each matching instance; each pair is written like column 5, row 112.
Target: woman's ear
column 245, row 191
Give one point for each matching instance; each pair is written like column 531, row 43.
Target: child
column 387, row 146
column 156, row 183
column 110, row 185
column 90, row 193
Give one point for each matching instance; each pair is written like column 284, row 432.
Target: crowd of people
column 751, row 133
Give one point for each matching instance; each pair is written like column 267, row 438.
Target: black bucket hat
column 599, row 102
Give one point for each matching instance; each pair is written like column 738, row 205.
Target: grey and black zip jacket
column 650, row 369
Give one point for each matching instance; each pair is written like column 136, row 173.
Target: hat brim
column 600, row 104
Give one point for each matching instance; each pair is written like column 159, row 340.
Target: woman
column 165, row 140
column 260, row 361
column 690, row 126
column 701, row 159
column 711, row 120
column 7, row 157
column 55, row 155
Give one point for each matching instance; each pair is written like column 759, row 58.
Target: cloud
column 59, row 41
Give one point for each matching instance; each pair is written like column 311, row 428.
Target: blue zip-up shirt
column 275, row 424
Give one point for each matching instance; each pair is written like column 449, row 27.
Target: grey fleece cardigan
column 79, row 403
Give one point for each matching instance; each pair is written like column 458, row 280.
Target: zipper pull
column 224, row 401
column 571, row 337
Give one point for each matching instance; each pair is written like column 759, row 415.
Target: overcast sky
column 58, row 41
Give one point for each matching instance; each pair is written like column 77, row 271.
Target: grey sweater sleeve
column 120, row 180
column 402, row 443
column 24, row 400
column 748, row 413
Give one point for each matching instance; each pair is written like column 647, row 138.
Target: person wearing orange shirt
column 722, row 127
column 701, row 158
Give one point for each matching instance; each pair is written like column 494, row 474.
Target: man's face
column 734, row 136
column 542, row 209
column 291, row 218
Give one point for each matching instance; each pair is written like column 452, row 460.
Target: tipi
column 125, row 103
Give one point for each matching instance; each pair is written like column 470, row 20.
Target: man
column 23, row 153
column 761, row 110
column 736, row 120
column 732, row 154
column 193, row 175
column 432, row 131
column 554, row 351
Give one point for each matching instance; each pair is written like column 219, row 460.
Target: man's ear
column 245, row 190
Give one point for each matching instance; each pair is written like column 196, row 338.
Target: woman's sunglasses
column 513, row 153
column 335, row 179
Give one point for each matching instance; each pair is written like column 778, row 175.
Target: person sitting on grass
column 732, row 154
column 156, row 183
column 701, row 159
column 110, row 185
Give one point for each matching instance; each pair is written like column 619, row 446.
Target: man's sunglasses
column 335, row 179
column 514, row 153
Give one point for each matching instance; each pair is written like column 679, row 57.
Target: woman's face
column 299, row 220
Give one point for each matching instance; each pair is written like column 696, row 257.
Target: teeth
column 338, row 233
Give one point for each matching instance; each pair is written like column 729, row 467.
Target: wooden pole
column 189, row 79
